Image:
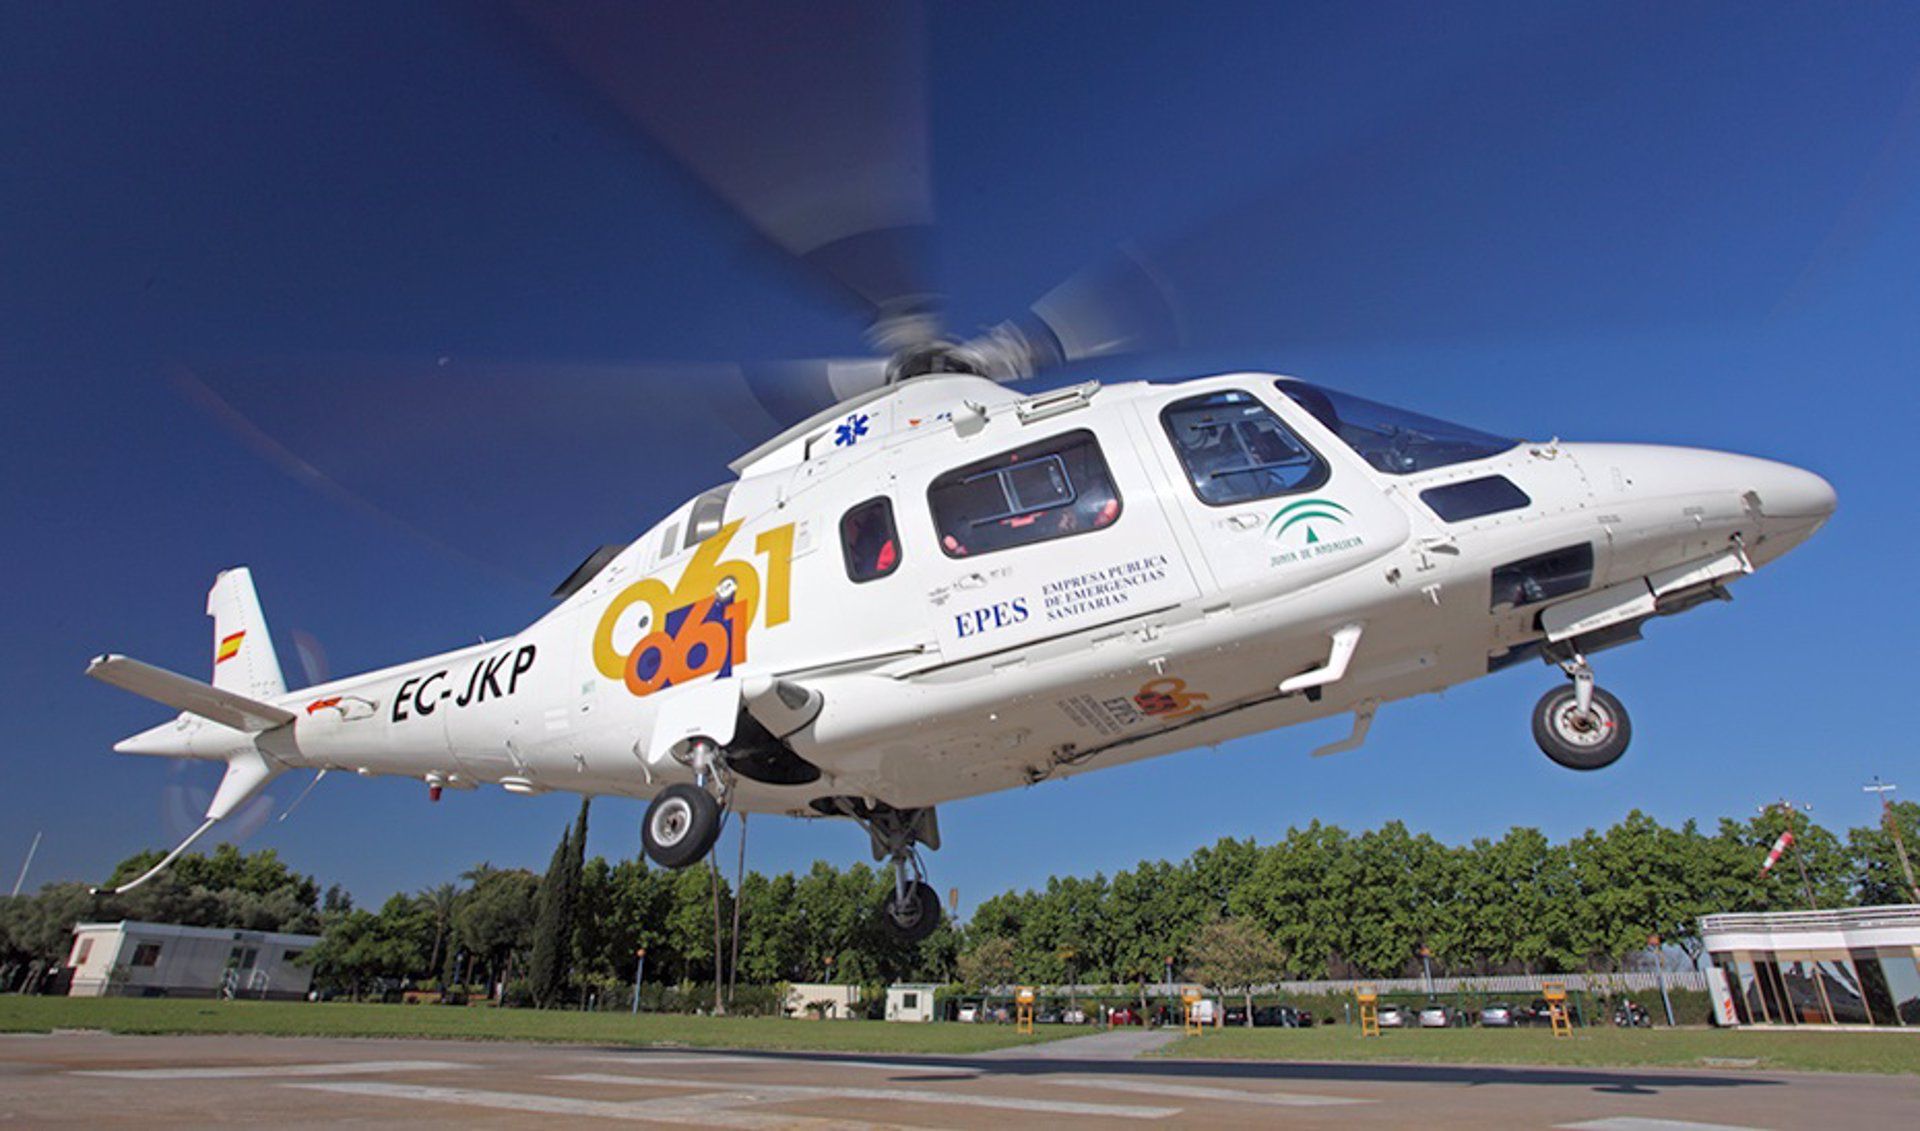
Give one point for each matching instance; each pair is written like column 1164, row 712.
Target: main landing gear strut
column 683, row 822
column 912, row 909
column 1581, row 726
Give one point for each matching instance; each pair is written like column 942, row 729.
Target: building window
column 1903, row 983
column 868, row 540
column 1235, row 450
column 909, row 1001
column 146, row 954
column 1053, row 488
column 81, row 952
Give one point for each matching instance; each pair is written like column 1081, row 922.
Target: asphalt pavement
column 104, row 1081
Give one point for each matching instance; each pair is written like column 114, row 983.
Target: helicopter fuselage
column 949, row 589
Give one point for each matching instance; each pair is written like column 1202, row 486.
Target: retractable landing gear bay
column 683, row 820
column 1581, row 726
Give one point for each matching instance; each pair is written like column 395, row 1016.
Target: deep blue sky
column 1675, row 223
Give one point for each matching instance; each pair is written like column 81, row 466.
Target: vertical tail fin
column 243, row 658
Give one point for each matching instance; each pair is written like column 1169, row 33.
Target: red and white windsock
column 1779, row 849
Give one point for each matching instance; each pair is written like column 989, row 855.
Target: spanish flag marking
column 228, row 648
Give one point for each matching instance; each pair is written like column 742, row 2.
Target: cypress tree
column 553, row 927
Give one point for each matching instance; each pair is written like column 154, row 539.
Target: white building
column 910, row 1002
column 833, row 1001
column 1856, row 967
column 132, row 959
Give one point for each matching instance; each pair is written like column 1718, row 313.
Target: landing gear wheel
column 916, row 917
column 1589, row 740
column 681, row 825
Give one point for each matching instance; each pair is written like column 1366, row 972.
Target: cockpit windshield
column 1393, row 440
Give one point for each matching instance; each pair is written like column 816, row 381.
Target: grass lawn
column 1811, row 1051
column 340, row 1019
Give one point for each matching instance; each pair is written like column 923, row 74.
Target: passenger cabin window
column 868, row 540
column 1051, row 488
column 1236, row 450
column 146, row 954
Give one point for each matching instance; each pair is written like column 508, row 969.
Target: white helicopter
column 940, row 587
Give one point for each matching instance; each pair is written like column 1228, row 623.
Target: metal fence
column 1638, row 981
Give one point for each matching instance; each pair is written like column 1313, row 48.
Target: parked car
column 1393, row 1017
column 1075, row 1016
column 1281, row 1017
column 1497, row 1015
column 1125, row 1015
column 969, row 1012
column 1433, row 1016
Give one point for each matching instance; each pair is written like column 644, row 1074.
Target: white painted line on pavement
column 642, row 1061
column 1636, row 1123
column 710, row 1110
column 638, row 1057
column 250, row 1071
column 895, row 1095
column 1202, row 1092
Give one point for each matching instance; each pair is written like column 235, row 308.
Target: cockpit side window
column 1236, row 450
column 1392, row 439
column 869, row 541
column 709, row 513
column 1049, row 489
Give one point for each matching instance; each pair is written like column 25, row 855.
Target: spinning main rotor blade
column 807, row 119
column 1116, row 307
column 1504, row 205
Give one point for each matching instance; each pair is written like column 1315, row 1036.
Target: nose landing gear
column 1581, row 726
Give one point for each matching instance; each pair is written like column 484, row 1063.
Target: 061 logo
column 699, row 626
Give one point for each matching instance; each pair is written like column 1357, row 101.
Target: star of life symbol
column 849, row 432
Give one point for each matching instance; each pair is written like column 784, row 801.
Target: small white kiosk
column 910, row 1001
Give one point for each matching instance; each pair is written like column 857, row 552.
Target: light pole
column 639, row 972
column 36, row 847
column 1426, row 968
column 1893, row 826
column 1660, row 971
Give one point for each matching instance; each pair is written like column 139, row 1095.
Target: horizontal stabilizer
column 227, row 708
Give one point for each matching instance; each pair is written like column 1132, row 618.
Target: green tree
column 988, row 964
column 1880, row 874
column 1234, row 956
column 556, row 916
column 494, row 923
column 441, row 901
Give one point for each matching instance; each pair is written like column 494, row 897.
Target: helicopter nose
column 1792, row 496
column 1672, row 502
